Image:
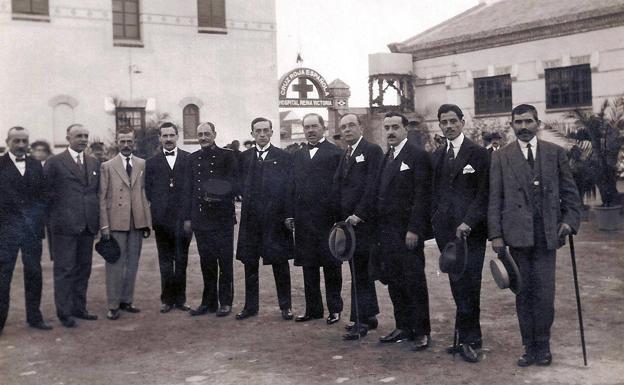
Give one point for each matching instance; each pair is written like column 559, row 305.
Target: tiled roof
column 509, row 21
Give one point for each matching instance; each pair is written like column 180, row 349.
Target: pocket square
column 404, row 167
column 359, row 158
column 468, row 169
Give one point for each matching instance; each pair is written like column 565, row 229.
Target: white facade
column 67, row 70
column 449, row 79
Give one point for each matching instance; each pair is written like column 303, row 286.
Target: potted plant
column 606, row 132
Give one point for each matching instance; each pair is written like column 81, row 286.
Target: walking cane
column 578, row 298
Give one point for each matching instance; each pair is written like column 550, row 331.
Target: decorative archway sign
column 304, row 81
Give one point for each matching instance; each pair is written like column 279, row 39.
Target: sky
column 336, row 36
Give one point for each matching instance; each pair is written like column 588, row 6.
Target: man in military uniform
column 209, row 213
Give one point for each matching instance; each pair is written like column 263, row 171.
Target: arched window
column 63, row 118
column 190, row 115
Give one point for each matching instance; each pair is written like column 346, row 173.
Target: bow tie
column 20, row 159
column 311, row 146
column 169, row 153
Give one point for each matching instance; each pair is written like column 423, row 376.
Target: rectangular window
column 126, row 20
column 568, row 86
column 492, row 94
column 126, row 117
column 211, row 16
column 33, row 7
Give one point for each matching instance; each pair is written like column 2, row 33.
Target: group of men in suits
column 525, row 199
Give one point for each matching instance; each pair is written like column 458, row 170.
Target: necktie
column 390, row 158
column 530, row 158
column 79, row 162
column 128, row 167
column 347, row 157
column 259, row 153
column 169, row 153
column 451, row 152
column 311, row 146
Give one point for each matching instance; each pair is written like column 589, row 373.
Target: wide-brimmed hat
column 214, row 190
column 506, row 273
column 108, row 249
column 342, row 241
column 454, row 258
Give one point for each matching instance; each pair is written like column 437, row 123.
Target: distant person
column 414, row 135
column 262, row 233
column 248, row 144
column 337, row 140
column 98, row 151
column 40, row 150
column 124, row 216
column 438, row 141
column 311, row 213
column 354, row 191
column 208, row 211
column 165, row 175
column 72, row 183
column 22, row 214
column 495, row 142
column 459, row 201
column 533, row 207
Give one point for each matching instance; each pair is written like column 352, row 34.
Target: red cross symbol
column 303, row 88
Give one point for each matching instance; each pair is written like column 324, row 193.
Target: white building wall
column 526, row 62
column 72, row 57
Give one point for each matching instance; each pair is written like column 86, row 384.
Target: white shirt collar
column 123, row 157
column 533, row 142
column 75, row 154
column 12, row 156
column 356, row 144
column 175, row 151
column 399, row 147
column 265, row 148
column 457, row 142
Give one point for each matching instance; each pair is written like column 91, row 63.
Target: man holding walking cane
column 533, row 206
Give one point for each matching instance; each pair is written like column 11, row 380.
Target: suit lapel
column 135, row 171
column 72, row 166
column 359, row 150
column 119, row 167
column 394, row 168
column 11, row 167
column 462, row 157
column 520, row 167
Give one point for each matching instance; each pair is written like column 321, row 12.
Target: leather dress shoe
column 201, row 310
column 543, row 358
column 421, row 343
column 129, row 308
column 182, row 306
column 113, row 314
column 85, row 315
column 527, row 359
column 333, row 318
column 246, row 314
column 306, row 317
column 41, row 325
column 165, row 308
column 68, row 322
column 224, row 310
column 287, row 314
column 356, row 333
column 395, row 336
column 371, row 324
column 458, row 349
column 469, row 353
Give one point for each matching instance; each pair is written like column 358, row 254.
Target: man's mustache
column 391, row 136
column 524, row 131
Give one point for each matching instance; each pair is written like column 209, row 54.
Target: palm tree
column 606, row 132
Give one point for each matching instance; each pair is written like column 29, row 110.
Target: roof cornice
column 543, row 29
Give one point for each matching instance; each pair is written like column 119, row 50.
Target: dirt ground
column 174, row 348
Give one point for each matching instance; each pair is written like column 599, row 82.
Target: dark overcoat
column 277, row 244
column 403, row 203
column 311, row 203
column 462, row 196
column 72, row 195
column 22, row 200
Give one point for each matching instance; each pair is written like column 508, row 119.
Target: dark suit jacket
column 465, row 198
column 165, row 201
column 403, row 204
column 354, row 190
column 205, row 164
column 277, row 243
column 72, row 195
column 311, row 204
column 22, row 203
column 510, row 211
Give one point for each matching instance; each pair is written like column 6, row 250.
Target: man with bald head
column 22, row 212
column 209, row 212
column 72, row 180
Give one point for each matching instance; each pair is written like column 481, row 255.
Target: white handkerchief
column 404, row 167
column 468, row 169
column 359, row 158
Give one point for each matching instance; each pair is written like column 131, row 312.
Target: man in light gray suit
column 124, row 215
column 533, row 206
